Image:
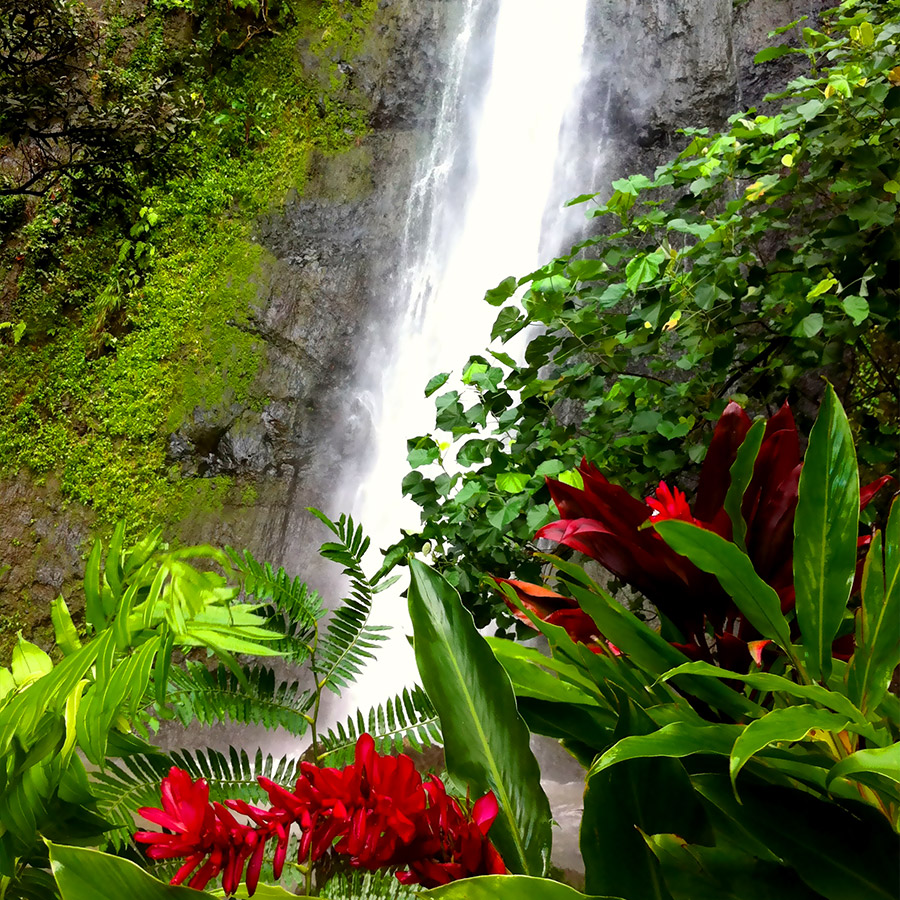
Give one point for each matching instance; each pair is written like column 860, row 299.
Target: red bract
column 205, row 835
column 557, row 610
column 605, row 522
column 453, row 845
column 377, row 812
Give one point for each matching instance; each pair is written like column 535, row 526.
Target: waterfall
column 475, row 217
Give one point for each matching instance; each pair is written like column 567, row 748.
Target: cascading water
column 465, row 233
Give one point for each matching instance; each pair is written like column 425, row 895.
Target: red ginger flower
column 201, row 831
column 457, row 844
column 605, row 522
column 377, row 812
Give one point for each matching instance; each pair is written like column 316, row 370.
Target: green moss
column 130, row 327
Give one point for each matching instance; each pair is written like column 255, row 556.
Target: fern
column 353, row 884
column 407, row 718
column 126, row 785
column 217, row 695
column 295, row 610
column 349, row 640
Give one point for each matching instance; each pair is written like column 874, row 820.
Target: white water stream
column 463, row 237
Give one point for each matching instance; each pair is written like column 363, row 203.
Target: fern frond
column 294, row 609
column 216, row 695
column 125, row 785
column 352, row 884
column 349, row 640
column 409, row 718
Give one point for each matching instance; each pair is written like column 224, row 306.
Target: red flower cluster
column 606, row 523
column 377, row 812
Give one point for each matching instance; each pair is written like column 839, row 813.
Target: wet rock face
column 325, row 300
column 656, row 66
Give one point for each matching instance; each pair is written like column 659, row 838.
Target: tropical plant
column 92, row 704
column 704, row 782
column 755, row 258
column 124, row 672
column 746, row 494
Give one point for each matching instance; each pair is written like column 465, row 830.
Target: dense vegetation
column 737, row 727
column 128, row 278
column 755, row 262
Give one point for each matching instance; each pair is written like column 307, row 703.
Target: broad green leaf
column 842, row 855
column 93, row 603
column 609, row 838
column 7, row 682
column 713, row 554
column 499, row 295
column 486, row 741
column 766, row 681
column 647, row 795
column 530, row 679
column 791, row 723
column 879, row 760
column 84, row 874
column 29, row 663
column 741, row 475
column 773, row 53
column 825, row 534
column 877, row 652
column 63, row 627
column 512, row 482
column 651, row 652
column 810, row 325
column 262, row 892
column 507, row 887
column 857, row 308
column 642, row 269
column 676, row 740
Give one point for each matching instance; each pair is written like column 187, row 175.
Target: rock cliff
column 323, row 295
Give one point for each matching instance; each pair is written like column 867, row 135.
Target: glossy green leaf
column 825, row 533
column 512, row 482
column 507, row 887
column 608, row 837
column 29, row 663
column 530, row 678
column 651, row 652
column 842, row 855
column 883, row 761
column 791, row 723
column 84, row 874
column 262, row 892
column 641, row 796
column 741, row 475
column 486, row 742
column 676, row 740
column 713, row 554
column 877, row 652
column 63, row 627
column 766, row 681
column 93, row 603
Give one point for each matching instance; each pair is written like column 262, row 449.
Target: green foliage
column 84, row 874
column 136, row 304
column 756, row 257
column 140, row 605
column 485, row 739
column 407, row 719
column 486, row 887
column 778, row 782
